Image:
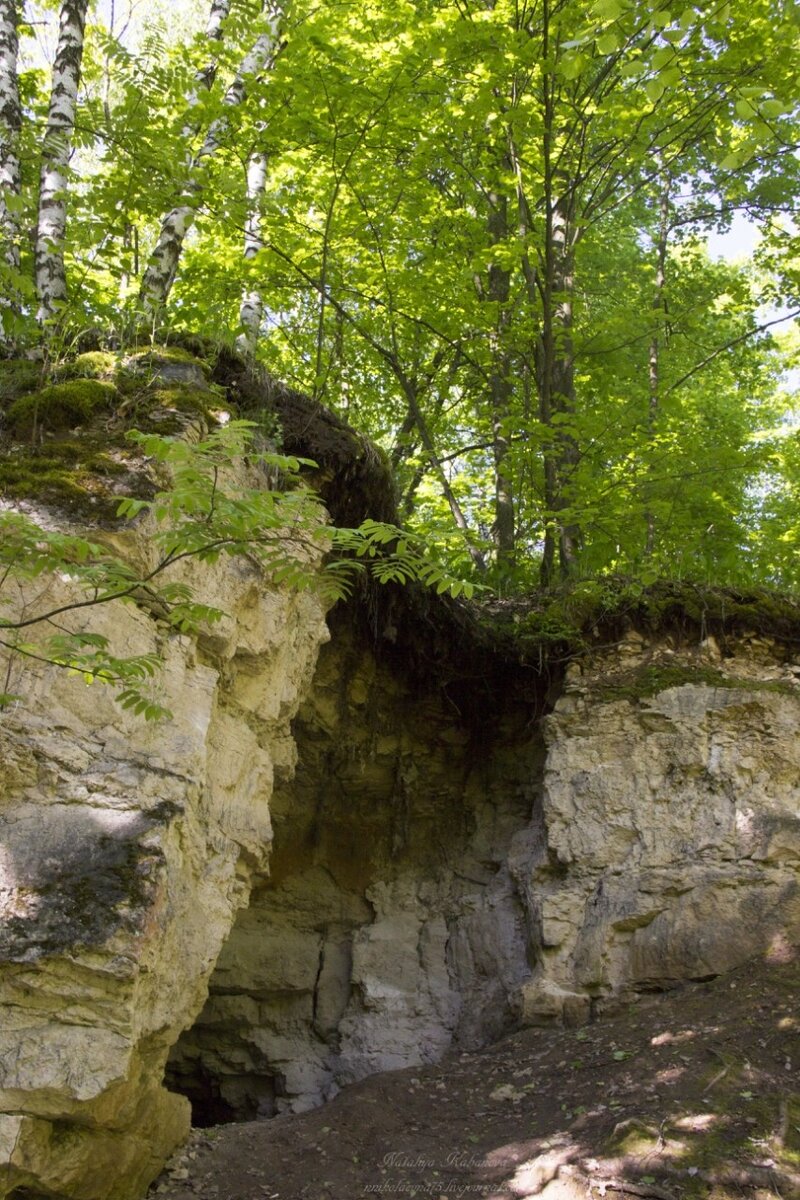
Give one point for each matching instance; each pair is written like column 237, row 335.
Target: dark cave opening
column 222, row 1099
column 390, row 925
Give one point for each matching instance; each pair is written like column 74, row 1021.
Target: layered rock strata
column 672, row 812
column 435, row 882
column 127, row 850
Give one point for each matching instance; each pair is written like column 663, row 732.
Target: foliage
column 563, row 623
column 483, row 240
column 203, row 513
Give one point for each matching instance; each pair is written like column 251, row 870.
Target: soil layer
column 693, row 1094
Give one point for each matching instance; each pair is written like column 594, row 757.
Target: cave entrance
column 222, row 1098
column 395, row 921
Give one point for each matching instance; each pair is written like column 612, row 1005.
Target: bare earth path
column 689, row 1095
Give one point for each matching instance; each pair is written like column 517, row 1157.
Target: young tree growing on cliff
column 51, row 280
column 10, row 171
column 160, row 273
column 214, row 507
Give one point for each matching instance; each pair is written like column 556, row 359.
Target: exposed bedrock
column 672, row 809
column 441, row 866
column 125, row 852
column 435, row 881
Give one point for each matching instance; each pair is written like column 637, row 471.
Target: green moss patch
column 165, row 409
column 64, row 445
column 94, row 364
column 183, row 398
column 60, row 406
column 159, row 357
column 76, row 475
column 647, row 681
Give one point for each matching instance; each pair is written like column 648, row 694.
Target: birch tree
column 51, row 280
column 251, row 309
column 162, row 268
column 10, row 175
column 214, row 32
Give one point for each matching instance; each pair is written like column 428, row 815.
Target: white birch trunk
column 51, row 282
column 162, row 268
column 251, row 309
column 219, row 11
column 10, row 126
column 205, row 77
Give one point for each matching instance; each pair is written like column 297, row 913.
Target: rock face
column 432, row 887
column 672, row 809
column 178, row 898
column 125, row 853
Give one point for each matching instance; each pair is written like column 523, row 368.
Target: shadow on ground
column 688, row 1096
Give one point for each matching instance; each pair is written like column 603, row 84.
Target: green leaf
column 608, row 43
column 573, row 65
column 655, row 89
column 609, row 10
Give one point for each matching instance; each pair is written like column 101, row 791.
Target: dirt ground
column 693, row 1094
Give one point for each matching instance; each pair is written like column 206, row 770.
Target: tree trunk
column 205, row 76
column 252, row 307
column 10, row 175
column 219, row 11
column 51, row 282
column 500, row 393
column 162, row 268
column 554, row 355
column 653, row 352
column 563, row 536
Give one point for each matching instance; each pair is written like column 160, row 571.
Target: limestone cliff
column 359, row 843
column 442, row 866
column 438, row 880
column 672, row 815
column 126, row 852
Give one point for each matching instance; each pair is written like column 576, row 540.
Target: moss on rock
column 564, row 624
column 159, row 359
column 648, row 680
column 183, row 398
column 77, row 475
column 94, row 364
column 60, row 406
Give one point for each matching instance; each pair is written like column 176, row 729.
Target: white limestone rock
column 126, row 851
column 672, row 827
